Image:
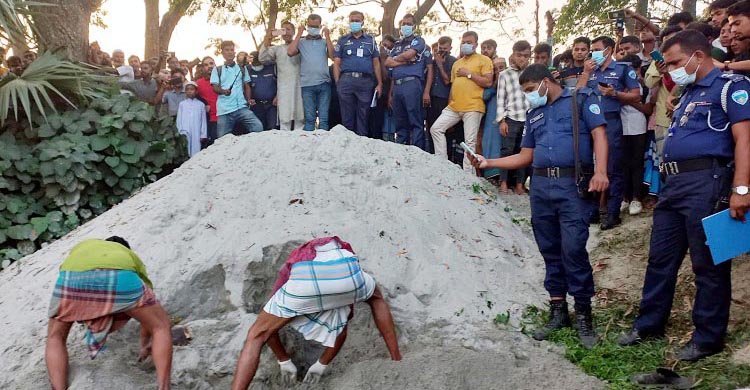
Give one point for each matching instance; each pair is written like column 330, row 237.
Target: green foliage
column 617, row 365
column 587, row 18
column 74, row 165
column 48, row 82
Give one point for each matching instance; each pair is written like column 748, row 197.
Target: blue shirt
column 263, row 82
column 231, row 77
column 416, row 67
column 356, row 53
column 313, row 69
column 700, row 127
column 549, row 130
column 619, row 74
column 439, row 88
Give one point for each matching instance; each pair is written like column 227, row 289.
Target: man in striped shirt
column 511, row 111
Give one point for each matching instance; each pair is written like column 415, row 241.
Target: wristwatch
column 469, row 76
column 726, row 66
column 740, row 190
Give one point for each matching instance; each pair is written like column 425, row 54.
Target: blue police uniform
column 357, row 81
column 696, row 152
column 622, row 76
column 408, row 83
column 263, row 84
column 558, row 214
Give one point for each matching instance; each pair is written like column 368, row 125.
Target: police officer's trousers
column 614, row 164
column 407, row 108
column 355, row 98
column 267, row 113
column 560, row 224
column 686, row 199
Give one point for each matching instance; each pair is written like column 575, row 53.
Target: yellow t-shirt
column 100, row 254
column 465, row 93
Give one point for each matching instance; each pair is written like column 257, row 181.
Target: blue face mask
column 535, row 100
column 313, row 31
column 355, row 27
column 467, row 49
column 598, row 57
column 407, row 31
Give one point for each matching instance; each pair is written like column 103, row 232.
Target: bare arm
column 392, row 62
column 628, row 97
column 329, row 45
column 484, row 81
column 406, row 56
column 336, row 69
column 646, row 108
column 516, row 161
column 643, row 20
column 428, row 80
column 444, row 74
column 378, row 70
column 293, row 48
column 600, row 181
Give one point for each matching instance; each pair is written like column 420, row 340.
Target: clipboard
column 727, row 238
column 374, row 102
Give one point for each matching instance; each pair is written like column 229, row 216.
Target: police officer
column 406, row 63
column 263, row 83
column 618, row 84
column 710, row 128
column 356, row 69
column 558, row 213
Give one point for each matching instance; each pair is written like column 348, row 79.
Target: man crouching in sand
column 314, row 293
column 103, row 284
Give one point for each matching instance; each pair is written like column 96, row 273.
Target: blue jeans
column 244, row 116
column 315, row 101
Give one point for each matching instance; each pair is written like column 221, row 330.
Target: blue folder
column 727, row 238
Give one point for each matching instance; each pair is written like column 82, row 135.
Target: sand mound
column 214, row 233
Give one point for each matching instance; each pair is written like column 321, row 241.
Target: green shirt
column 99, row 254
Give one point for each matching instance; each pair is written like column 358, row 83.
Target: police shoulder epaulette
column 622, row 63
column 732, row 77
column 585, row 91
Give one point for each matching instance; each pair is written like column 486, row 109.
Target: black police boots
column 610, row 222
column 558, row 318
column 585, row 323
column 692, row 352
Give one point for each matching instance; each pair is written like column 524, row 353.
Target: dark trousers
column 614, row 164
column 686, row 199
column 355, row 97
column 633, row 160
column 407, row 108
column 267, row 113
column 561, row 229
column 511, row 145
column 377, row 114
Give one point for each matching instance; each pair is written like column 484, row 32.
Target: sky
column 125, row 20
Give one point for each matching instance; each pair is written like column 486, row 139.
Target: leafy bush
column 75, row 165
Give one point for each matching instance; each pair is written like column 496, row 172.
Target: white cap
column 193, row 83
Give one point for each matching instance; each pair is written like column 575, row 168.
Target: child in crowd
column 191, row 119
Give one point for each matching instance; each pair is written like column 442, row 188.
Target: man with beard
column 289, row 90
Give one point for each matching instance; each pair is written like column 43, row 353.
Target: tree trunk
column 169, row 21
column 423, row 10
column 152, row 30
column 689, row 6
column 388, row 22
column 64, row 26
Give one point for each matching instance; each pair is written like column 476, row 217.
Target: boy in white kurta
column 191, row 119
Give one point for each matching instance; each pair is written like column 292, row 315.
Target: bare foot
column 520, row 190
column 503, row 187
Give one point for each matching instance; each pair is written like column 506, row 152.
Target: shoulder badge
column 594, row 108
column 631, row 74
column 415, row 42
column 337, row 48
column 740, row 97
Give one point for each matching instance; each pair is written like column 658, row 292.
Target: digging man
column 314, row 293
column 103, row 284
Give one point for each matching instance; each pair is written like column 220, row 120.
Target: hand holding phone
column 469, row 150
column 657, row 56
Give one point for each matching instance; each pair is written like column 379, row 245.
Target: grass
column 615, row 365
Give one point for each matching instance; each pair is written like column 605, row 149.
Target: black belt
column 404, row 79
column 555, row 172
column 676, row 167
column 264, row 102
column 357, row 74
column 612, row 115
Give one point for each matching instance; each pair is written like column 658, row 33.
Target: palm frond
column 47, row 80
column 15, row 20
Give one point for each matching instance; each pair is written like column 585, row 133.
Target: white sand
column 214, row 233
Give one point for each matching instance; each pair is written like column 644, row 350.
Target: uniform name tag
column 536, row 118
column 360, row 52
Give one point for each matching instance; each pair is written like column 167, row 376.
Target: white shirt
column 633, row 121
column 191, row 121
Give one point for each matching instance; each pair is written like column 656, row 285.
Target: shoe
column 610, row 223
column 635, row 208
column 585, row 323
column 558, row 318
column 663, row 378
column 692, row 352
column 624, row 206
column 634, row 337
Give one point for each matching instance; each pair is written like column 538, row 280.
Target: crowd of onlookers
column 404, row 90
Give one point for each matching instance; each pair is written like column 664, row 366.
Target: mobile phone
column 175, row 81
column 619, row 14
column 657, row 56
column 468, row 149
column 604, row 85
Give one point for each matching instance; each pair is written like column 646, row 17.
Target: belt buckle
column 674, row 168
column 553, row 173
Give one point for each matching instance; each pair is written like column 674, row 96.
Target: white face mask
column 680, row 75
